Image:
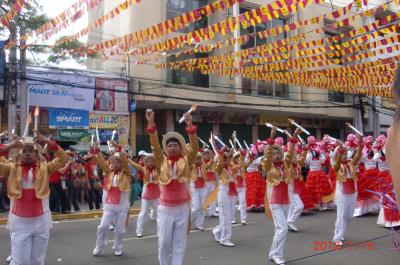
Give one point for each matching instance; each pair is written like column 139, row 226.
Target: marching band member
column 296, row 187
column 174, row 174
column 29, row 219
column 240, row 169
column 388, row 217
column 211, row 180
column 367, row 201
column 151, row 190
column 277, row 199
column 223, row 232
column 198, row 191
column 116, row 206
column 346, row 188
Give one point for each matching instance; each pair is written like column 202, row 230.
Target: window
column 178, row 7
column 194, row 78
column 257, row 87
column 335, row 96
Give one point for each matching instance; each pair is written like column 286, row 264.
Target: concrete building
column 225, row 104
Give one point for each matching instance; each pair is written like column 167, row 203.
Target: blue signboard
column 68, row 118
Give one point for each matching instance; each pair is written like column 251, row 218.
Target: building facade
column 225, row 104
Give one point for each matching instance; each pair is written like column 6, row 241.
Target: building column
column 254, row 133
column 133, row 132
column 318, row 134
column 170, row 120
column 215, row 129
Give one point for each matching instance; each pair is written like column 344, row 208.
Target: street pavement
column 72, row 243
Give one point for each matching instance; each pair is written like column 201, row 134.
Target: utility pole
column 12, row 82
column 23, row 85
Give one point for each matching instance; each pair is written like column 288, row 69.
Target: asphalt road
column 72, row 242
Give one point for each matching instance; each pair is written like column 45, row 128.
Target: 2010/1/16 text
column 328, row 245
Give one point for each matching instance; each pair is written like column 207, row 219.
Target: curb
column 76, row 216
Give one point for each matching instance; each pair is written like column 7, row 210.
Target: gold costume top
column 13, row 172
column 274, row 174
column 340, row 169
column 292, row 173
column 124, row 175
column 146, row 173
column 164, row 168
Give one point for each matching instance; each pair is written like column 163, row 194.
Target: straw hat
column 147, row 157
column 178, row 137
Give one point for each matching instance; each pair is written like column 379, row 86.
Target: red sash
column 240, row 182
column 349, row 186
column 232, row 189
column 114, row 196
column 28, row 205
column 199, row 183
column 280, row 194
column 152, row 192
column 298, row 186
column 174, row 194
column 210, row 176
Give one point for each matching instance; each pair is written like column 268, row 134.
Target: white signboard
column 59, row 90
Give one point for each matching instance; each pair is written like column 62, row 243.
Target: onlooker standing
column 93, row 177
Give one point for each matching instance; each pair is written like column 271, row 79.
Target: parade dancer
column 296, row 186
column 388, row 217
column 174, row 175
column 29, row 219
column 151, row 191
column 317, row 182
column 277, row 199
column 254, row 181
column 211, row 180
column 366, row 201
column 198, row 191
column 116, row 206
column 223, row 232
column 240, row 185
column 346, row 188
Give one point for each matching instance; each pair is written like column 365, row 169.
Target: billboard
column 111, row 95
column 59, row 90
column 68, row 119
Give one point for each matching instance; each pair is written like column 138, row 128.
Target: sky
column 53, row 8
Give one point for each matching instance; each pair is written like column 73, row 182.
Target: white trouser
column 29, row 248
column 144, row 215
column 198, row 198
column 296, row 205
column 119, row 218
column 242, row 203
column 223, row 231
column 345, row 204
column 232, row 202
column 212, row 208
column 172, row 228
column 279, row 215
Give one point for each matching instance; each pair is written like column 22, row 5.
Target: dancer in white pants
column 117, row 201
column 29, row 220
column 173, row 170
column 346, row 189
column 198, row 190
column 151, row 191
column 277, row 208
column 211, row 180
column 223, row 232
column 240, row 169
column 296, row 186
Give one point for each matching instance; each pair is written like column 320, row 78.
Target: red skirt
column 366, row 181
column 307, row 199
column 381, row 180
column 319, row 185
column 255, row 190
column 391, row 213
